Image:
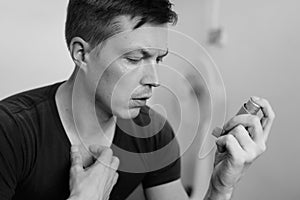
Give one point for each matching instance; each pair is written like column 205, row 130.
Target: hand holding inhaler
column 248, row 108
column 241, row 141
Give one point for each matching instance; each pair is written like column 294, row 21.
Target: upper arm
column 9, row 159
column 173, row 190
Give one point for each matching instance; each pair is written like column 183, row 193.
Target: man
column 100, row 111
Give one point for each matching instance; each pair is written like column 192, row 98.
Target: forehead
column 149, row 36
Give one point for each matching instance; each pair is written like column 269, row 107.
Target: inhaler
column 248, row 108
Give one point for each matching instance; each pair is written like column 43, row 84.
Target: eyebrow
column 165, row 54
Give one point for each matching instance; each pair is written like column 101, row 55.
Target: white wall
column 262, row 58
column 33, row 51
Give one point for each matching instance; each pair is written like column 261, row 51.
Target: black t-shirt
column 35, row 150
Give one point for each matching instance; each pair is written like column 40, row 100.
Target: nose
column 150, row 76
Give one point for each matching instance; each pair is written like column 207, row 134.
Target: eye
column 134, row 60
column 159, row 60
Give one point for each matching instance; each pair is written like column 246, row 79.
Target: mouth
column 141, row 98
column 144, row 97
column 140, row 101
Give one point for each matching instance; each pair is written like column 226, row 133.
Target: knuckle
column 272, row 115
column 269, row 107
column 240, row 128
column 229, row 139
column 107, row 152
column 237, row 131
column 116, row 160
column 252, row 155
column 75, row 159
column 265, row 102
column 74, row 148
column 263, row 148
column 74, row 155
column 73, row 170
column 255, row 119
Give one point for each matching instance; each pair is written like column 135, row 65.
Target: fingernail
column 255, row 98
column 217, row 132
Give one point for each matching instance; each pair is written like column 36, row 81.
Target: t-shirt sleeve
column 9, row 159
column 167, row 160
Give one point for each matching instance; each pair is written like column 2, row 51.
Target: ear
column 78, row 50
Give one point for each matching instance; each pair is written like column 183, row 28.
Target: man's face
column 124, row 68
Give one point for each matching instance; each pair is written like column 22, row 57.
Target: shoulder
column 20, row 115
column 17, row 113
column 26, row 100
column 20, row 122
column 7, row 121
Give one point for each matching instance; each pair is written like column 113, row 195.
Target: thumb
column 229, row 144
column 76, row 159
column 226, row 143
column 221, row 144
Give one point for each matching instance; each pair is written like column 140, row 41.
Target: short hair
column 94, row 20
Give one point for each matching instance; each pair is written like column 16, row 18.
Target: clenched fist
column 96, row 181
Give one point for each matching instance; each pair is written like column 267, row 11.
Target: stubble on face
column 119, row 82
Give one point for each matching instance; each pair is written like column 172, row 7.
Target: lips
column 142, row 97
column 140, row 100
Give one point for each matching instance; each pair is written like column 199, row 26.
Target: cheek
column 118, row 82
column 126, row 80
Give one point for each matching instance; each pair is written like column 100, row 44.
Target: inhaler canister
column 249, row 108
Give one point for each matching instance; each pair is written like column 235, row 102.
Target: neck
column 80, row 113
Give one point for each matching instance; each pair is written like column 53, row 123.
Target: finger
column 243, row 137
column 268, row 113
column 113, row 182
column 246, row 120
column 115, row 163
column 231, row 145
column 105, row 157
column 96, row 149
column 110, row 183
column 76, row 159
column 112, row 171
column 115, row 179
